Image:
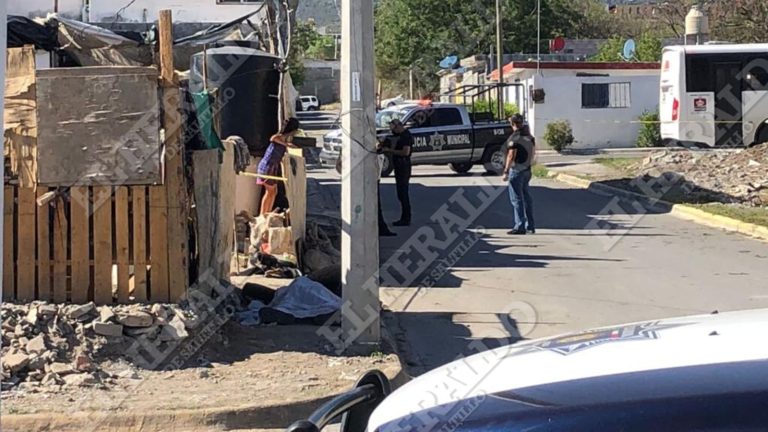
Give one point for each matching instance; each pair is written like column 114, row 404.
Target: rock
column 83, row 363
column 15, row 362
column 36, row 345
column 174, row 331
column 159, row 311
column 189, row 323
column 23, row 341
column 136, row 319
column 60, row 369
column 203, row 374
column 108, row 329
column 76, row 312
column 150, row 332
column 106, row 314
column 80, row 380
column 31, row 316
column 129, row 374
column 47, row 310
column 52, row 379
column 762, row 197
column 37, row 362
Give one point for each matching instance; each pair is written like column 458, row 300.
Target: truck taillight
column 675, row 110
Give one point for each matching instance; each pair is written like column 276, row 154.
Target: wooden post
column 3, row 44
column 175, row 183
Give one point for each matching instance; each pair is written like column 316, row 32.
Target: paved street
column 576, row 272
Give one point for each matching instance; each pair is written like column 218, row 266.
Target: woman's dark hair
column 290, row 125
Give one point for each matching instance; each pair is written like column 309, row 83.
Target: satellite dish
column 557, row 45
column 449, row 62
column 630, row 48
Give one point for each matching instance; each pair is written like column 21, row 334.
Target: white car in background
column 309, row 103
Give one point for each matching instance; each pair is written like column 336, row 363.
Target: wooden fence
column 102, row 244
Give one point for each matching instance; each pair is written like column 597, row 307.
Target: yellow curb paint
column 683, row 211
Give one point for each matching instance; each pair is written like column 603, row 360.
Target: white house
column 138, row 11
column 602, row 101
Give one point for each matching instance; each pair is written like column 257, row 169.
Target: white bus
column 714, row 95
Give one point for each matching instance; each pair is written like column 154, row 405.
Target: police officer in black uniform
column 401, row 160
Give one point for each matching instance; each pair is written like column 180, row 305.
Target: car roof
column 716, row 355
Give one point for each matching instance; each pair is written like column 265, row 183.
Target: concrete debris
column 15, row 362
column 64, row 345
column 36, row 345
column 77, row 311
column 108, row 329
column 106, row 315
column 136, row 319
column 731, row 177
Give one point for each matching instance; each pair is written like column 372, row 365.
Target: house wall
column 183, row 10
column 322, row 79
column 41, row 8
column 592, row 128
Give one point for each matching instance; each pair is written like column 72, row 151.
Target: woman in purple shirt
column 270, row 164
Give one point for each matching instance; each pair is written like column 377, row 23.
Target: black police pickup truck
column 444, row 134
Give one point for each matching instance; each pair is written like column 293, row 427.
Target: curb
column 678, row 210
column 245, row 417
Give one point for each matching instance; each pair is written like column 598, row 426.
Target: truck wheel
column 461, row 167
column 761, row 136
column 387, row 167
column 494, row 160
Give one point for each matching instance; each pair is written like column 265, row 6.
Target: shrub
column 559, row 135
column 650, row 130
column 491, row 106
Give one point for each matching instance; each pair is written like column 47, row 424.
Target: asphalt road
column 595, row 261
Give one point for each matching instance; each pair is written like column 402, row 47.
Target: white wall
column 190, row 11
column 593, row 128
column 41, row 8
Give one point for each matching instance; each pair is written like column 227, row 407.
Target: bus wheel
column 761, row 136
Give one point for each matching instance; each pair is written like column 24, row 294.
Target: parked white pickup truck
column 444, row 134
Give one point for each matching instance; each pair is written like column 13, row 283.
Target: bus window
column 698, row 74
column 756, row 77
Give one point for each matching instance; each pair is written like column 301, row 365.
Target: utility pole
column 410, row 83
column 360, row 323
column 500, row 59
column 538, row 36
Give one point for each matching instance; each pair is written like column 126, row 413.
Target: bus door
column 728, row 104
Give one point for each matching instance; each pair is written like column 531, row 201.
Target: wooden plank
column 206, row 181
column 102, row 245
column 225, row 242
column 20, row 114
column 122, row 232
column 158, row 244
column 178, row 201
column 9, row 279
column 60, row 241
column 27, row 239
column 44, row 288
column 139, row 243
column 80, row 244
column 294, row 169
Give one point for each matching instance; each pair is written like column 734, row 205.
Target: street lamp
column 500, row 59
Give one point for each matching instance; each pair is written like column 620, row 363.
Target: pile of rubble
column 54, row 345
column 739, row 177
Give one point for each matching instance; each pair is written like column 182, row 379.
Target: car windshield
column 383, row 118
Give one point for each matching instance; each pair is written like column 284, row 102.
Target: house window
column 608, row 95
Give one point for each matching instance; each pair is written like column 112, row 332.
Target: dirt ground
column 278, row 367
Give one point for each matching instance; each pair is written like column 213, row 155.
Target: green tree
column 648, row 49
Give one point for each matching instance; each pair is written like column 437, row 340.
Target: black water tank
column 248, row 81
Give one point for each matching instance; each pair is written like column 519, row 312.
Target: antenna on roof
column 630, row 49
